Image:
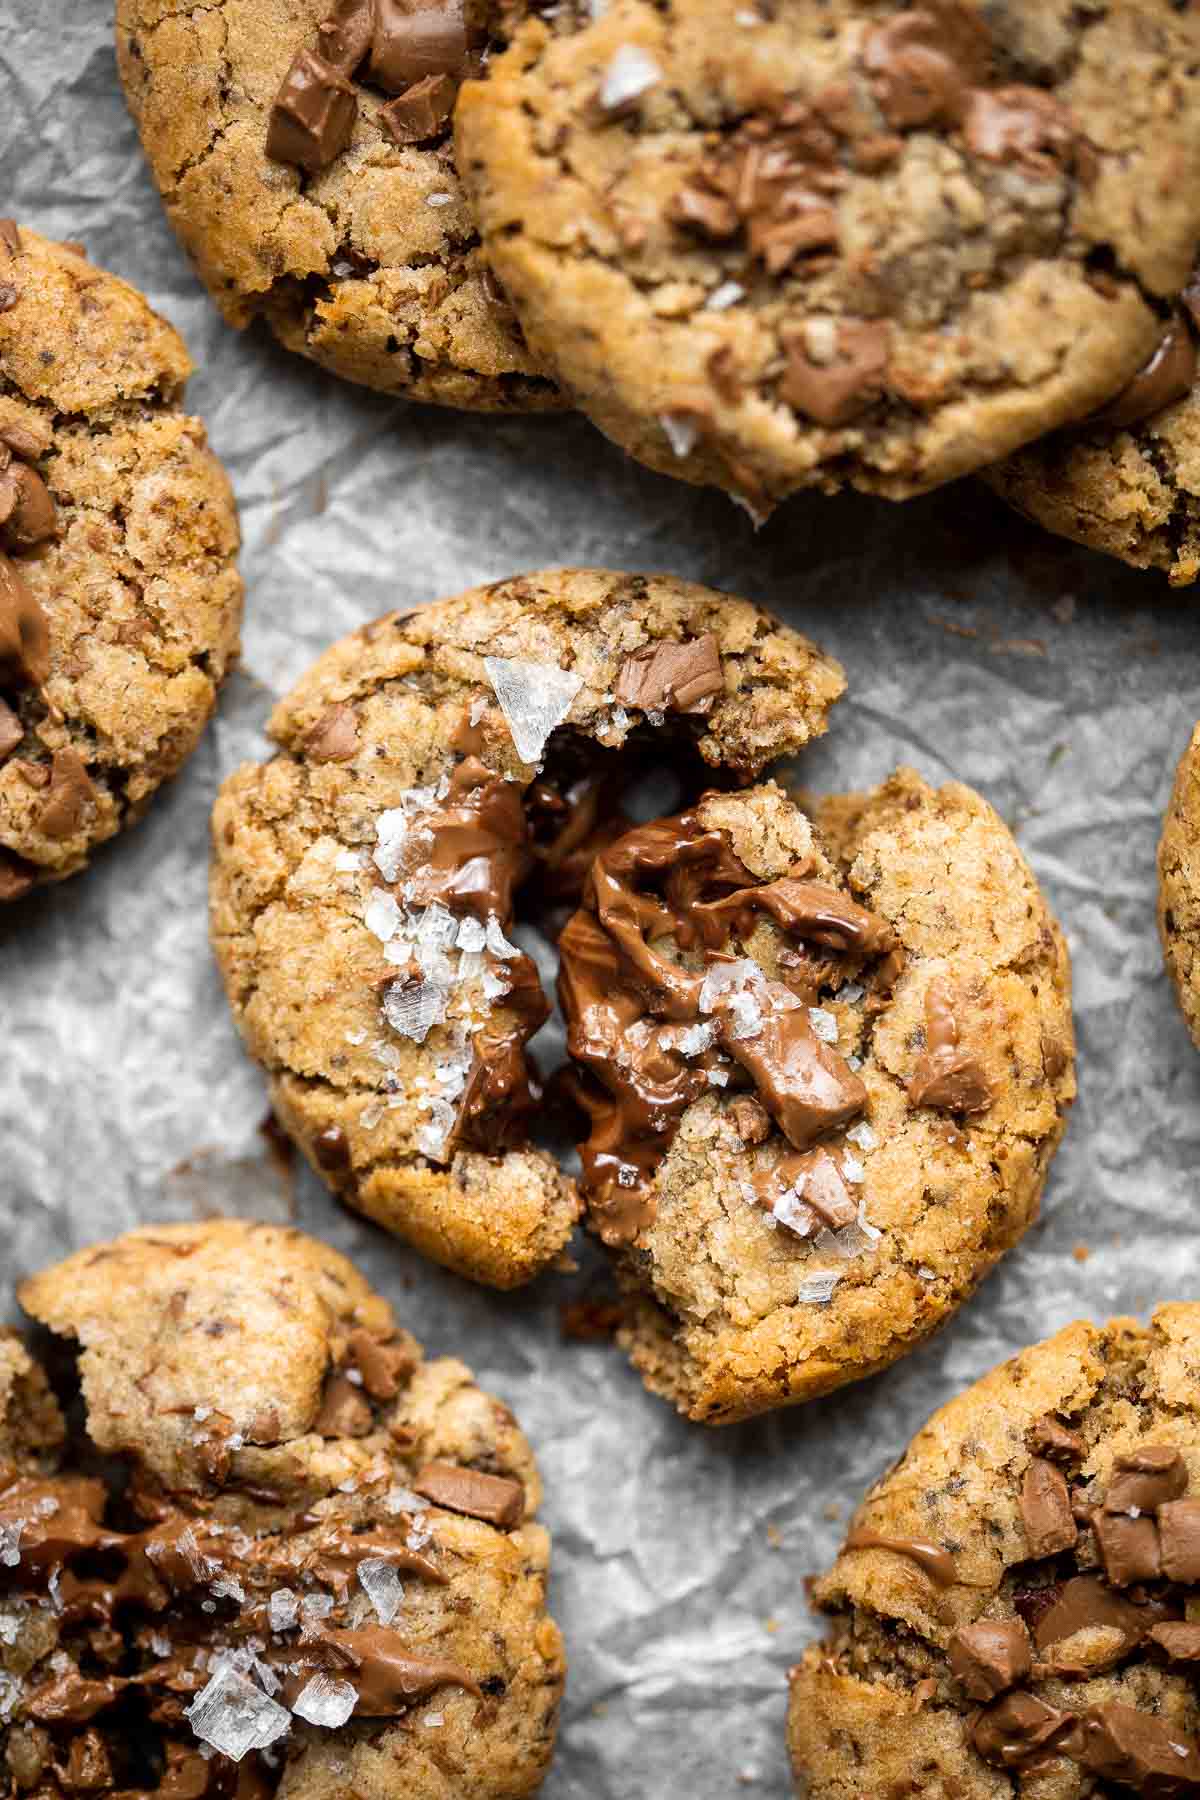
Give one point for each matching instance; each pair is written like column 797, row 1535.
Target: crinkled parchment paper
column 1061, row 685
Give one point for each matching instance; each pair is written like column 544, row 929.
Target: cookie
column 303, row 155
column 1127, row 482
column 1179, row 885
column 365, row 880
column 827, row 1062
column 120, row 600
column 307, row 1563
column 862, row 243
column 1012, row 1609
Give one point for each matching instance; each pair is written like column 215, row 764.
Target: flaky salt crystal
column 817, row 1289
column 371, row 1114
column 413, row 1011
column 10, row 1544
column 398, row 952
column 630, row 73
column 534, row 698
column 326, row 1701
column 791, row 1211
column 201, row 1413
column 228, row 1587
column 439, row 199
column 727, row 978
column 391, row 830
column 716, row 1077
column 824, row 1024
column 497, row 943
column 927, row 1274
column 852, row 1169
column 432, row 1720
column 381, row 915
column 401, row 1499
column 9, row 1627
column 854, row 1062
column 852, row 993
column 479, row 706
column 471, row 935
column 680, row 431
column 316, row 1606
column 381, row 1584
column 862, row 1135
column 347, row 862
column 234, row 1716
column 728, row 294
column 695, row 1040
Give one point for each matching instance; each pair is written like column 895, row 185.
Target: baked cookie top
column 1179, row 885
column 120, row 600
column 1127, row 482
column 840, row 241
column 322, row 1569
column 827, row 1062
column 433, row 766
column 302, row 151
column 1014, row 1606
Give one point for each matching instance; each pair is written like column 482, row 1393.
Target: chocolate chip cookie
column 826, row 1060
column 120, row 600
column 1014, row 1607
column 440, row 774
column 1179, row 885
column 769, row 248
column 303, row 154
column 277, row 1551
column 1128, row 480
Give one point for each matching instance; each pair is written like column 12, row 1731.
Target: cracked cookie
column 278, row 1551
column 1127, row 481
column 1179, row 885
column 1014, row 1608
column 436, row 771
column 827, row 1062
column 863, row 243
column 120, row 600
column 303, row 155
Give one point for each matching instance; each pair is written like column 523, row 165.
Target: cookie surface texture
column 1179, row 885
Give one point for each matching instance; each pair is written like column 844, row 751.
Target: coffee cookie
column 320, row 1575
column 303, row 154
column 1127, row 482
column 1012, row 1609
column 860, row 243
column 120, row 600
column 364, row 881
column 827, row 1062
column 1179, row 885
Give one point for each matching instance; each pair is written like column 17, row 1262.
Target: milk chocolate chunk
column 11, row 730
column 382, row 1366
column 32, row 518
column 1179, row 1537
column 1167, row 376
column 334, row 737
column 414, row 39
column 24, row 634
column 1052, row 1439
column 1085, row 1603
column 845, row 383
column 344, row 37
column 421, row 112
column 1146, row 1479
column 1020, row 124
column 387, row 1676
column 344, row 1411
column 495, row 1499
column 1017, row 1729
column 991, row 1657
column 332, row 1151
column 1129, row 1548
column 69, row 795
column 1179, row 1642
column 313, row 114
column 1046, row 1510
column 1137, row 1750
column 682, row 678
column 947, row 1076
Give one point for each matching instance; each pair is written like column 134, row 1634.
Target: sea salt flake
column 381, row 1584
column 432, row 1720
column 681, row 432
column 201, row 1413
column 326, row 1701
column 852, row 993
column 413, row 1010
column 391, row 831
column 479, row 706
column 10, row 1544
column 9, row 1627
column 439, row 199
column 724, row 979
column 817, row 1289
column 725, row 296
column 534, row 698
column 864, row 1224
column 495, row 985
column 630, row 73
column 852, row 1169
column 355, row 1037
column 695, row 1040
column 402, row 1499
column 316, row 1606
column 228, row 1587
column 234, row 1716
column 381, row 915
column 854, row 1062
column 824, row 1024
column 927, row 1274
column 160, row 1644
column 791, row 1211
column 347, row 862
column 471, row 935
column 716, row 1077
column 497, row 943
column 371, row 1114
column 862, row 1136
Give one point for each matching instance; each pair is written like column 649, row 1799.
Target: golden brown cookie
column 827, row 1062
column 306, row 1566
column 1014, row 1608
column 839, row 240
column 1179, row 885
column 120, row 600
column 302, row 151
column 365, row 880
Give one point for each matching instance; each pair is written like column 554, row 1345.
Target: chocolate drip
column 947, row 1076
column 677, row 885
column 388, row 1677
column 1168, row 375
column 937, row 1563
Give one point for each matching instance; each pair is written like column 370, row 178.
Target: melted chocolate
column 937, row 1563
column 947, row 1076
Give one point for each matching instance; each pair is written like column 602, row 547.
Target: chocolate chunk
column 924, row 63
column 11, row 730
column 1086, row 1603
column 842, row 385
column 697, row 208
column 1168, row 375
column 383, row 1366
column 1147, row 1479
column 1179, row 1641
column 495, row 1499
column 1179, row 1536
column 421, row 112
column 344, row 38
column 1137, row 1750
column 1129, row 1548
column 1020, row 124
column 413, row 40
column 1018, row 1728
column 807, row 1087
column 70, row 793
column 31, row 519
column 313, row 114
column 332, row 1151
column 344, row 1411
column 1050, row 1438
column 27, row 441
column 334, row 737
column 24, row 634
column 991, row 1656
column 1046, row 1510
column 946, row 1076
column 681, row 678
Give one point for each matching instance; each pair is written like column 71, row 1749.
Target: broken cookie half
column 439, row 772
column 826, row 1062
column 277, row 1551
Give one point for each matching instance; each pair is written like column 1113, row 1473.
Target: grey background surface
column 1061, row 685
